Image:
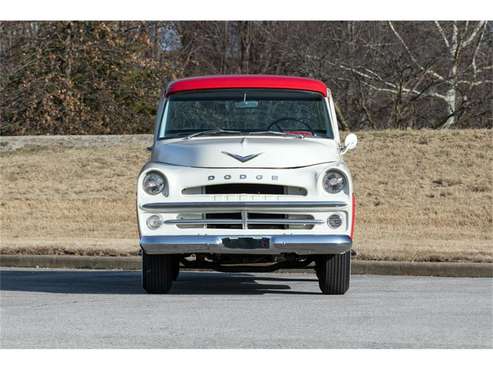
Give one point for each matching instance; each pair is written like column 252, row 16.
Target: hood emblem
column 241, row 158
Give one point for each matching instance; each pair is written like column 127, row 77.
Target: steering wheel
column 277, row 121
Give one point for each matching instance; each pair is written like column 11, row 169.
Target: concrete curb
column 452, row 269
column 70, row 262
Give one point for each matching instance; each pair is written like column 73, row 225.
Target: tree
column 449, row 62
column 105, row 77
column 81, row 78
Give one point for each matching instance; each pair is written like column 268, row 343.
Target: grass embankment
column 422, row 195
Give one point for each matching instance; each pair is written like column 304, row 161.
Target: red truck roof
column 246, row 82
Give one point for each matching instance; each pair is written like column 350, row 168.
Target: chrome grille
column 245, row 220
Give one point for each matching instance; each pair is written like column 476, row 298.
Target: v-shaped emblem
column 241, row 158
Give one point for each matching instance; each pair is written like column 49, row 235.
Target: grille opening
column 226, row 216
column 251, row 216
column 238, row 188
column 256, row 216
column 281, row 225
column 243, row 220
column 244, row 189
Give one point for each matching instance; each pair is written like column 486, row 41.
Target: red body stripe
column 353, row 216
column 247, row 81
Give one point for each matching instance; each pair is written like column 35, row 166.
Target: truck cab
column 246, row 174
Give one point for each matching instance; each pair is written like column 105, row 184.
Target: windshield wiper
column 212, row 132
column 275, row 133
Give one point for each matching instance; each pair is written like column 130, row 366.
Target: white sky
column 246, row 9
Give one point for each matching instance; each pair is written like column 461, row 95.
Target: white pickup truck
column 246, row 174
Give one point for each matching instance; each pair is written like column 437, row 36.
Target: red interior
column 304, row 133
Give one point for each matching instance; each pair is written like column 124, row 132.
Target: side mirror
column 350, row 143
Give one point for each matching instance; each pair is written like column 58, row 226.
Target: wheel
column 333, row 272
column 158, row 273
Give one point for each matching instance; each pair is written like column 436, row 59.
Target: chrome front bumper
column 247, row 244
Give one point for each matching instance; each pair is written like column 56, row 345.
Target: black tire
column 334, row 272
column 157, row 273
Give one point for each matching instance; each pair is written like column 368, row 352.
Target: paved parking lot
column 43, row 308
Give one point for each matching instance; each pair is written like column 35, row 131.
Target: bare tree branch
column 474, row 33
column 390, row 87
column 475, row 53
column 411, row 55
column 442, row 33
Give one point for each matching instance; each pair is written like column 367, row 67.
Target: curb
column 71, row 262
column 450, row 269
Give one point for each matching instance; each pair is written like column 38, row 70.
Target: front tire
column 334, row 272
column 158, row 273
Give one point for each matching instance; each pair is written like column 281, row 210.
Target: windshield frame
column 329, row 130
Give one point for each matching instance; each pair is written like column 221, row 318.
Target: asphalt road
column 104, row 309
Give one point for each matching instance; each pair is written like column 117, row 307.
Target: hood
column 245, row 152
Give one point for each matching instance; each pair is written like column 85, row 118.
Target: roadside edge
column 451, row 269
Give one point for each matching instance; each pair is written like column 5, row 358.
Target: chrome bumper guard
column 247, row 244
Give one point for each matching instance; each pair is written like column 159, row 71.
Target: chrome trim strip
column 249, row 221
column 299, row 244
column 244, row 219
column 250, row 168
column 290, row 206
column 202, row 221
column 273, row 221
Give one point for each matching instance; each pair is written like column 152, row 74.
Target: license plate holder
column 246, row 243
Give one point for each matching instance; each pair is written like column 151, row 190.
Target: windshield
column 246, row 111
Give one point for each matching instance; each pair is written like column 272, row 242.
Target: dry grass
column 422, row 195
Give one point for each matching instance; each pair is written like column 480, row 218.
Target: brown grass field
column 421, row 195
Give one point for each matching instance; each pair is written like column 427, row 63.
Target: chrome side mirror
column 350, row 143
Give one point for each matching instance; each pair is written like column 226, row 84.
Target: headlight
column 334, row 181
column 154, row 183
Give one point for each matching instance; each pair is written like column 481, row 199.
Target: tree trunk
column 451, row 100
column 451, row 95
column 340, row 117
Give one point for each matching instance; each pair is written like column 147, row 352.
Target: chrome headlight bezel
column 334, row 181
column 154, row 183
